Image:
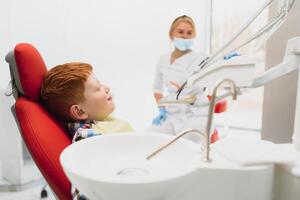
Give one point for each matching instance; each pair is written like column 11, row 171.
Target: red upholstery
column 215, row 136
column 45, row 139
column 221, row 106
column 31, row 69
column 43, row 135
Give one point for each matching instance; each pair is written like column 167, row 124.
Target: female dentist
column 172, row 70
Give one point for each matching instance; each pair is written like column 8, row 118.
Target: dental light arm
column 282, row 69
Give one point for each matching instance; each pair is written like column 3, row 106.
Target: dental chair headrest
column 27, row 69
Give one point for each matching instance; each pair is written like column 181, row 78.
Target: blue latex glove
column 231, row 55
column 162, row 116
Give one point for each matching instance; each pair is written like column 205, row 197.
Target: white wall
column 121, row 39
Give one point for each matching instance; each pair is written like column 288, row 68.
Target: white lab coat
column 178, row 71
column 180, row 117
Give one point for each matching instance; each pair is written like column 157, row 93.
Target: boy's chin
column 113, row 107
column 111, row 111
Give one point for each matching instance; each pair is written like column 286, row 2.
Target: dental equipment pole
column 296, row 135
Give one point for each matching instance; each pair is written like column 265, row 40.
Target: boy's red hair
column 63, row 87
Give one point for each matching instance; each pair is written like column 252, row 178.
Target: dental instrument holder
column 240, row 69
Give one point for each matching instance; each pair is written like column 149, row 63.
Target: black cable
column 180, row 89
column 184, row 84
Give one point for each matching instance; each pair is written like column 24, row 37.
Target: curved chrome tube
column 212, row 104
column 172, row 141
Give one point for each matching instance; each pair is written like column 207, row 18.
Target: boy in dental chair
column 73, row 93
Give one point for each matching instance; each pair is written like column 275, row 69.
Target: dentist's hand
column 162, row 116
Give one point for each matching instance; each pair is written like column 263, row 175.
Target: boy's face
column 98, row 103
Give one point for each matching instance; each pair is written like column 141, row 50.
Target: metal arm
column 289, row 64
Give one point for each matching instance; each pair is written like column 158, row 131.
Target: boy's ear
column 78, row 113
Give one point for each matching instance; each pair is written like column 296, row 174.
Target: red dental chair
column 44, row 136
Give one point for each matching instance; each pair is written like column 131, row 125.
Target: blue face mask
column 183, row 44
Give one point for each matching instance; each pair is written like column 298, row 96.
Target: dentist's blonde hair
column 178, row 20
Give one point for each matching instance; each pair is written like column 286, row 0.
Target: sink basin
column 113, row 167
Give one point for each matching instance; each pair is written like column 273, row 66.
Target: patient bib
column 110, row 125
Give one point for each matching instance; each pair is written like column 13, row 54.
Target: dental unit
column 169, row 168
column 290, row 63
